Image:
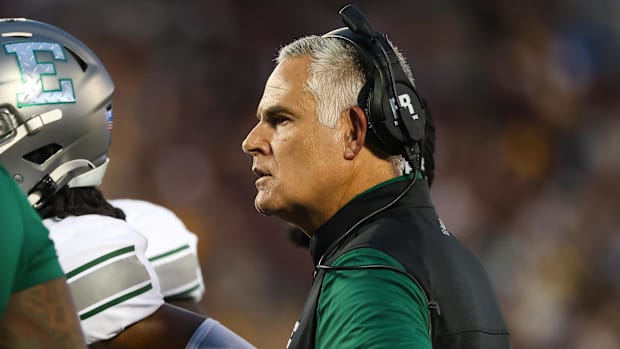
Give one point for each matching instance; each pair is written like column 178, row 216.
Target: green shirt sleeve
column 11, row 233
column 27, row 255
column 374, row 308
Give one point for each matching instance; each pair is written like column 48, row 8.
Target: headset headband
column 394, row 110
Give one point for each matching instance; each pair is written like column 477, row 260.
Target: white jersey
column 111, row 280
column 172, row 249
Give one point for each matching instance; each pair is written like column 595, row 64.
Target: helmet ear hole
column 39, row 156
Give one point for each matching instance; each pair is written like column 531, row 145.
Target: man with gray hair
column 338, row 117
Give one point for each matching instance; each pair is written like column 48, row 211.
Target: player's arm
column 42, row 316
column 172, row 327
column 172, row 251
column 39, row 309
column 117, row 294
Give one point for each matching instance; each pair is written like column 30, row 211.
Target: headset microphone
column 356, row 20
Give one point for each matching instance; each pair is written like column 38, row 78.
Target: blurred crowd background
column 526, row 97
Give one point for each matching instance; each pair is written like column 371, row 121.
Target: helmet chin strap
column 53, row 180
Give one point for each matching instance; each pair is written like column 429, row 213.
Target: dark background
column 525, row 94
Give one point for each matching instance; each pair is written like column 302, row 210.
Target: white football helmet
column 55, row 109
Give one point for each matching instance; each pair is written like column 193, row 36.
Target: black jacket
column 463, row 310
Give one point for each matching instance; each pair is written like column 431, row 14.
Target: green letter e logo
column 33, row 71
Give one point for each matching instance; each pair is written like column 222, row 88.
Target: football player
column 56, row 103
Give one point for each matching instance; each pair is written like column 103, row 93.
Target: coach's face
column 298, row 161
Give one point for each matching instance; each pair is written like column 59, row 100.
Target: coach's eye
column 279, row 120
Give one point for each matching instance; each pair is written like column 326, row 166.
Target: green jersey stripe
column 116, row 301
column 100, row 260
column 182, row 294
column 171, row 252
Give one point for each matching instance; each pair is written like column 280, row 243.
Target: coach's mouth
column 260, row 173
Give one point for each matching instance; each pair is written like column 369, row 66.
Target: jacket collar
column 363, row 205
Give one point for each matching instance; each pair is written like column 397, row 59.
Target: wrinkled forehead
column 286, row 86
column 277, row 88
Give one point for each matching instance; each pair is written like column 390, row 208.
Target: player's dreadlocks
column 72, row 201
column 77, row 202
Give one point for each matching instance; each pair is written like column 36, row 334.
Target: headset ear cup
column 363, row 100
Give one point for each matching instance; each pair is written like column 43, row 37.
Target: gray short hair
column 335, row 76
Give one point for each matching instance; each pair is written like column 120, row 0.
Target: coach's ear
column 355, row 136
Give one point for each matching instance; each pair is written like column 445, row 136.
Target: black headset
column 395, row 112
